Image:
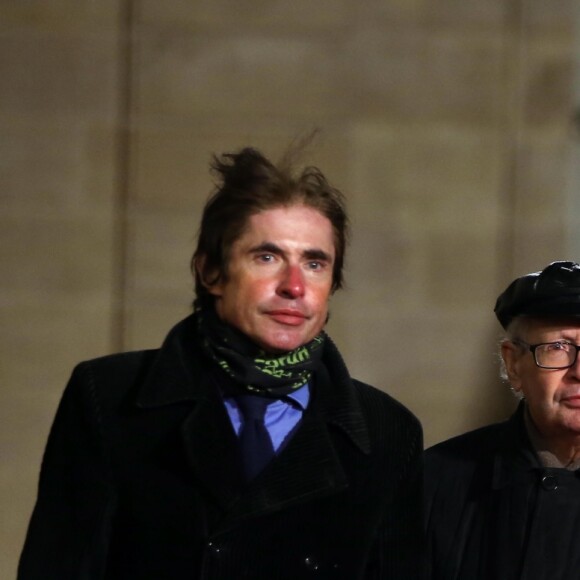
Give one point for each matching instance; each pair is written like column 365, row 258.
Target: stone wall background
column 449, row 124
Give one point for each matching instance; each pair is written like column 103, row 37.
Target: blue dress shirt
column 281, row 416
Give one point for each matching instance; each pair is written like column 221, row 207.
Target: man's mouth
column 287, row 316
column 571, row 400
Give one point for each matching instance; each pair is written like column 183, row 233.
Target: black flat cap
column 555, row 291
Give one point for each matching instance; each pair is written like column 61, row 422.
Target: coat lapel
column 179, row 376
column 307, row 468
column 212, row 451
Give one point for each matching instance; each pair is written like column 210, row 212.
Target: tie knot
column 253, row 407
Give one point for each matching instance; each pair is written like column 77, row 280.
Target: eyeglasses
column 553, row 355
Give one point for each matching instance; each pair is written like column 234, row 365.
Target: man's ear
column 511, row 355
column 210, row 279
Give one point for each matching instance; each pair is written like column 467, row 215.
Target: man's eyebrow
column 269, row 247
column 310, row 254
column 316, row 254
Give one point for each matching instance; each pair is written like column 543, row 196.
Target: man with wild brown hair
column 242, row 448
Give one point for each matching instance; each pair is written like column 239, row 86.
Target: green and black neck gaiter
column 253, row 369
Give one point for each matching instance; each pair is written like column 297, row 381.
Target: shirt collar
column 541, row 447
column 301, row 396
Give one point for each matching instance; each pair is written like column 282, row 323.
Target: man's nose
column 292, row 282
column 574, row 370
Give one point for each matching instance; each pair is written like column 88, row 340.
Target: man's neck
column 551, row 452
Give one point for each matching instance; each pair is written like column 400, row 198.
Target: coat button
column 550, row 482
column 311, row 563
column 213, row 548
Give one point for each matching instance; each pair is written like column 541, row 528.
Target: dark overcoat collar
column 515, row 461
column 308, row 467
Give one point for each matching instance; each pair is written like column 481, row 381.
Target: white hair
column 514, row 331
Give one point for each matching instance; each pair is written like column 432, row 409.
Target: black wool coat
column 494, row 513
column 141, row 480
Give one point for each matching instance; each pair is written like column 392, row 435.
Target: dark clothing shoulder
column 493, row 511
column 141, row 480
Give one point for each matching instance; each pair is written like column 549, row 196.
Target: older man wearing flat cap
column 503, row 501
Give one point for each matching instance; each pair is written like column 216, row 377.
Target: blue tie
column 255, row 441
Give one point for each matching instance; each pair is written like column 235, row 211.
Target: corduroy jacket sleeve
column 399, row 548
column 403, row 525
column 68, row 532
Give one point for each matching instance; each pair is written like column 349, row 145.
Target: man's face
column 279, row 278
column 553, row 396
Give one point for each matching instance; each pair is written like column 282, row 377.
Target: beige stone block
column 59, row 15
column 472, row 16
column 47, row 259
column 381, row 261
column 389, row 14
column 162, row 246
column 54, row 168
column 425, row 178
column 460, row 16
column 548, row 77
column 535, row 248
column 172, row 163
column 70, row 74
column 454, row 16
column 42, row 342
column 262, row 75
column 543, row 165
column 460, row 270
column 172, row 166
column 541, row 205
column 437, row 271
column 160, row 286
column 234, row 14
column 411, row 74
column 556, row 17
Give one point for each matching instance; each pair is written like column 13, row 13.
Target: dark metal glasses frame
column 533, row 348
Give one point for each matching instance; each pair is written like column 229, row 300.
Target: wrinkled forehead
column 538, row 329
